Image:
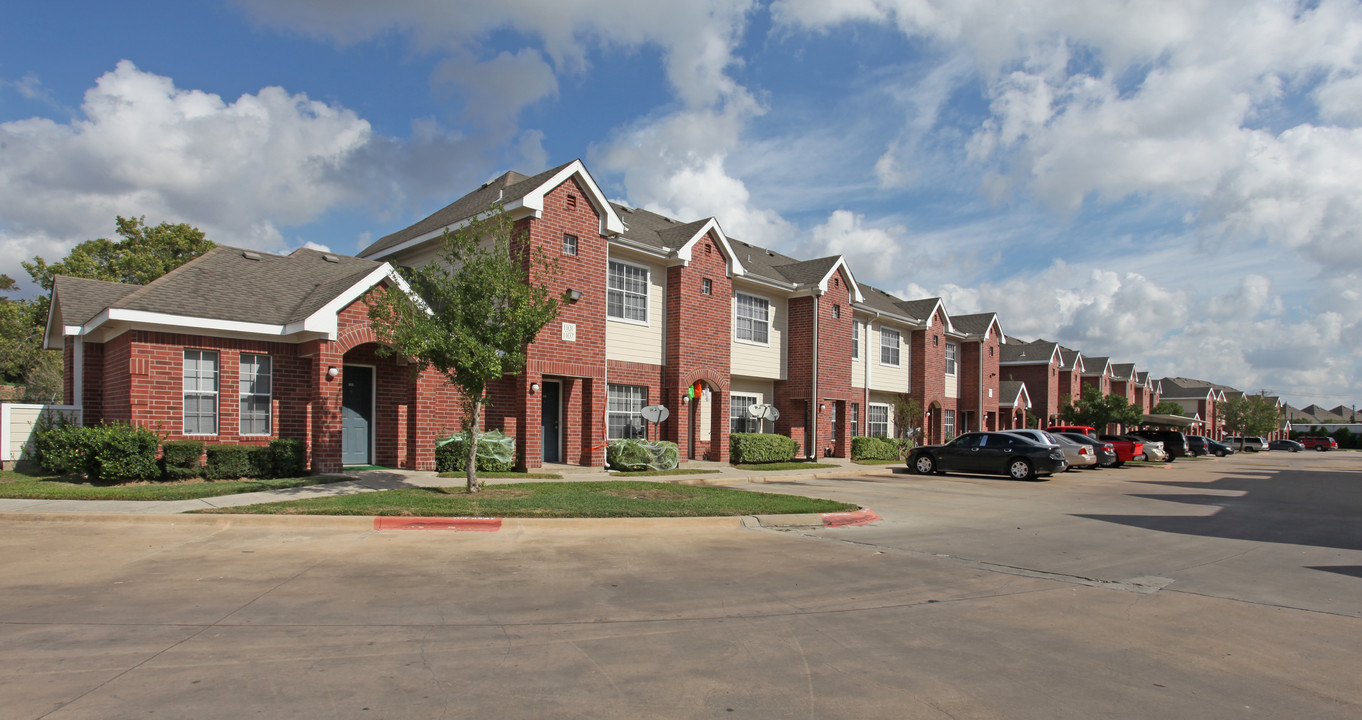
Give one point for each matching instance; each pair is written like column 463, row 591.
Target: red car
column 1318, row 443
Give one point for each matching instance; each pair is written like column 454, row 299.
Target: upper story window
column 706, row 286
column 200, row 392
column 951, row 350
column 855, row 339
column 254, row 382
column 754, row 319
column 569, row 244
column 889, row 346
column 837, row 311
column 627, row 296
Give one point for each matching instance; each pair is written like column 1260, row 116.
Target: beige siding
column 19, row 420
column 888, row 378
column 763, row 390
column 633, row 342
column 858, row 364
column 953, row 381
column 763, row 361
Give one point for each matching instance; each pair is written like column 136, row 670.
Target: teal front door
column 357, row 412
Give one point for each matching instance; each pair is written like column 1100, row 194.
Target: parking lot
column 1206, row 589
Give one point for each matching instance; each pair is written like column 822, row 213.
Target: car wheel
column 1220, row 453
column 1319, row 448
column 1021, row 470
column 924, row 465
column 1295, row 449
column 1118, row 463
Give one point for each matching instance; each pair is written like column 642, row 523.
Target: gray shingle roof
column 1038, row 352
column 974, row 325
column 79, row 300
column 504, row 189
column 1095, row 365
column 1008, row 390
column 224, row 284
column 1122, row 371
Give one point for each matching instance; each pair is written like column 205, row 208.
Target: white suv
column 1036, row 436
column 1250, row 443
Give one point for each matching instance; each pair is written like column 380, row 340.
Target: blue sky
column 1170, row 184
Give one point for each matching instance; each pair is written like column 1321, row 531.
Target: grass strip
column 876, row 462
column 647, row 473
column 785, row 466
column 506, row 474
column 606, row 499
column 30, row 487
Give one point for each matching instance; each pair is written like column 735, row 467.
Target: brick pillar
column 718, row 446
column 326, row 408
column 431, row 416
column 529, row 444
column 594, row 395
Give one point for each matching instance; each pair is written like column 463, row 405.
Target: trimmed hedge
column 639, row 455
column 288, row 458
column 180, row 459
column 60, row 447
column 453, row 456
column 228, row 462
column 874, row 448
column 119, row 452
column 752, row 448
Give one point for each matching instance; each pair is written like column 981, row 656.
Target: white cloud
column 871, row 251
column 496, row 90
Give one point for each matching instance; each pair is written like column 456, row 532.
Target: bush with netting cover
column 640, row 455
column 495, row 453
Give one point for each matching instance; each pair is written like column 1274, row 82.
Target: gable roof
column 978, row 325
column 1123, row 371
column 75, row 301
column 1012, row 393
column 232, row 290
column 1183, row 388
column 1096, row 366
column 1038, row 352
column 514, row 192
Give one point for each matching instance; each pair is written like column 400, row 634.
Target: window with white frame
column 877, row 420
column 855, row 419
column 254, row 382
column 948, row 423
column 739, row 420
column 569, row 244
column 952, row 349
column 855, row 339
column 754, row 319
column 200, row 392
column 889, row 346
column 624, row 411
column 627, row 296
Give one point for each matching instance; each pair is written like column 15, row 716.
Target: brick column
column 327, row 396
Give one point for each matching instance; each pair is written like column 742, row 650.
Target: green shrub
column 640, row 455
column 261, row 461
column 180, row 459
column 752, row 448
column 288, row 458
column 228, row 462
column 874, row 448
column 496, row 453
column 119, row 452
column 59, row 447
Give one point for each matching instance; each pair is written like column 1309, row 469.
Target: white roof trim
column 325, row 320
column 735, row 265
column 853, row 287
column 1021, row 392
column 534, row 200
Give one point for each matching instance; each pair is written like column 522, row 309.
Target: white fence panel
column 16, row 426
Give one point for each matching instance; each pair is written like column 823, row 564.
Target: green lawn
column 785, row 466
column 39, row 487
column 876, row 462
column 507, row 474
column 620, row 498
column 649, row 473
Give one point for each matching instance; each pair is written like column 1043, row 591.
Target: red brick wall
column 1070, row 387
column 929, row 377
column 792, row 394
column 698, row 349
column 834, row 368
column 971, row 392
column 1042, row 385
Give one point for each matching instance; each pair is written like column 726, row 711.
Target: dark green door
column 550, row 418
column 357, row 412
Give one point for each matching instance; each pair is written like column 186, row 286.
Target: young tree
column 1167, row 407
column 907, row 418
column 1250, row 415
column 142, row 255
column 476, row 309
column 1097, row 410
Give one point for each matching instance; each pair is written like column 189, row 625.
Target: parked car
column 1105, row 451
column 1040, row 436
column 1127, row 449
column 1078, row 454
column 997, row 453
column 1174, row 442
column 1198, row 445
column 1080, row 429
column 1287, row 445
column 1248, row 442
column 1313, row 442
column 1218, row 448
column 1151, row 450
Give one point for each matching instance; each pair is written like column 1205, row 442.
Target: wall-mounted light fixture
column 685, row 399
column 574, row 295
column 534, row 388
column 332, row 371
column 821, row 406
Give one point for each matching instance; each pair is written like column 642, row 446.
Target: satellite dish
column 655, row 413
column 762, row 411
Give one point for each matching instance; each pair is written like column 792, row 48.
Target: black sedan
column 1218, row 448
column 1288, row 445
column 993, row 453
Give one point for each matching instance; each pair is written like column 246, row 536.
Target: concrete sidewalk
column 374, row 480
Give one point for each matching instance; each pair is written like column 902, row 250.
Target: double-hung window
column 255, row 394
column 889, row 346
column 877, row 420
column 627, row 296
column 855, row 339
column 200, row 392
column 624, row 411
column 754, row 319
column 739, row 420
column 855, row 419
column 952, row 349
column 948, row 424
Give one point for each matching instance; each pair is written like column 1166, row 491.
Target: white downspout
column 78, row 373
column 979, row 419
column 813, row 393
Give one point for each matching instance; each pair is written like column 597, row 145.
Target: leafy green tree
column 142, row 255
column 477, row 308
column 1097, row 410
column 1250, row 415
column 16, row 333
column 1167, row 407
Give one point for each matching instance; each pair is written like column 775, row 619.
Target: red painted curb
column 864, row 516
column 466, row 524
